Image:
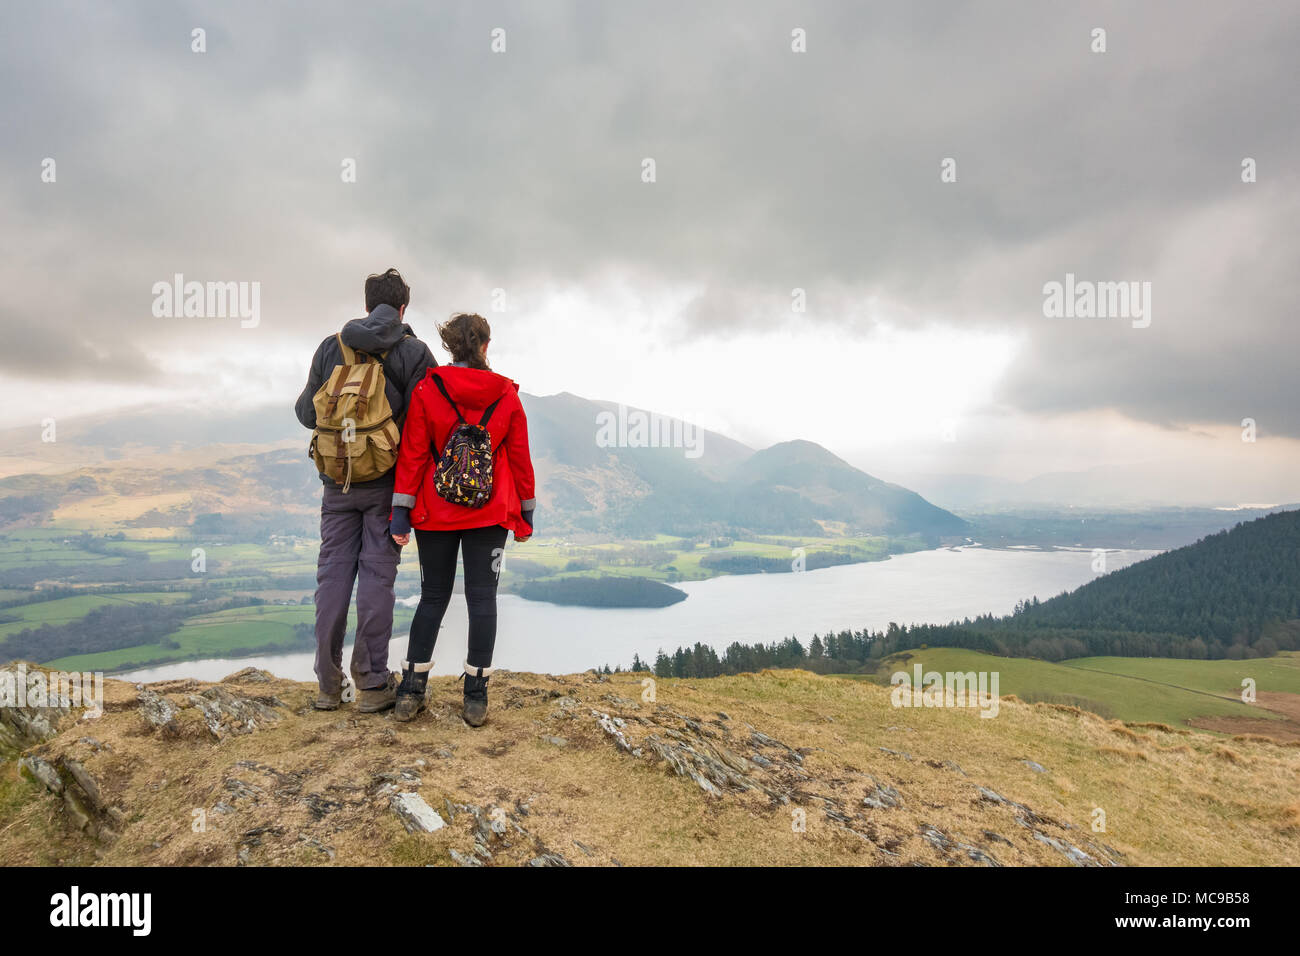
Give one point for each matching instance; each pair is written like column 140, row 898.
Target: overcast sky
column 924, row 346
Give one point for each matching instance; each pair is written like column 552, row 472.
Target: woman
column 449, row 399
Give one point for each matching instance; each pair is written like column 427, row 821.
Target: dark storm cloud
column 775, row 170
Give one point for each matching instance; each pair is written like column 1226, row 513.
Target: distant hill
column 795, row 487
column 1228, row 587
column 1232, row 594
column 838, row 491
column 251, row 468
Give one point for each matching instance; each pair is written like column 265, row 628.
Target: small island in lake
column 603, row 591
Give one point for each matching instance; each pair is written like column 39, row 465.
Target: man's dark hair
column 387, row 289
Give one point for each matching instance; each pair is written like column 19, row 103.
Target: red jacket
column 430, row 421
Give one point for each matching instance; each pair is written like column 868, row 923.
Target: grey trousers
column 355, row 547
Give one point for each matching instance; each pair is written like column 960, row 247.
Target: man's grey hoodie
column 404, row 367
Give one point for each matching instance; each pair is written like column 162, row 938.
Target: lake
column 925, row 587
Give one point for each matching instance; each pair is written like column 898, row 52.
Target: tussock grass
column 1169, row 797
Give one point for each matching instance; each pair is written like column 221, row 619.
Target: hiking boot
column 380, row 698
column 411, row 692
column 476, row 680
column 328, row 699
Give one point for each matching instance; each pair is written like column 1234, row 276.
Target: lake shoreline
column 935, row 587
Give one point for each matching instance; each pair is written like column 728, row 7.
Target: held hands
column 399, row 526
column 528, row 520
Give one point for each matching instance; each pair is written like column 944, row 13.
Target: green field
column 1134, row 689
column 264, row 629
column 1281, row 673
column 276, row 571
column 63, row 610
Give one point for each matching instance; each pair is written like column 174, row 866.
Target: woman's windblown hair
column 464, row 335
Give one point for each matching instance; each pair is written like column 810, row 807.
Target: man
column 354, row 541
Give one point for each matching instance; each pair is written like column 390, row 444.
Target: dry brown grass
column 1171, row 798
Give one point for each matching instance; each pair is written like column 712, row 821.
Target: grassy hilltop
column 583, row 770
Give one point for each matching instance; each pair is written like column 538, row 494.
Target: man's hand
column 402, row 539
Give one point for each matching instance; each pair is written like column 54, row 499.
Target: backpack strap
column 488, row 414
column 349, row 356
column 443, row 388
column 363, row 398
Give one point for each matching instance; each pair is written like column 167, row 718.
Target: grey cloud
column 775, row 170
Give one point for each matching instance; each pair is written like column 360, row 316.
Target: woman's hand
column 528, row 520
column 399, row 526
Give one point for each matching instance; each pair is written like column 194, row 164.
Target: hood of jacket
column 377, row 332
column 470, row 387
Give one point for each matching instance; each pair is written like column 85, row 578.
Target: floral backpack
column 464, row 472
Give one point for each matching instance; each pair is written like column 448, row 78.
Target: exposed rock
column 89, row 786
column 614, row 727
column 763, row 740
column 945, row 844
column 548, row 859
column 242, row 790
column 416, row 815
column 27, row 726
column 882, row 796
column 157, row 710
column 78, row 813
column 1035, row 822
column 565, row 707
column 249, row 675
column 226, row 713
column 1035, row 767
column 43, row 772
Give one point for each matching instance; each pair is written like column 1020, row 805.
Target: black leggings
column 483, row 549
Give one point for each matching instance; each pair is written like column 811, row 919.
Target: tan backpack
column 355, row 437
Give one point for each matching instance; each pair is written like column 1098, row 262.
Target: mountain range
column 591, row 479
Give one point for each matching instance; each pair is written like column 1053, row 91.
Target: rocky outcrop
column 245, row 772
column 88, row 808
column 723, row 759
column 26, row 726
